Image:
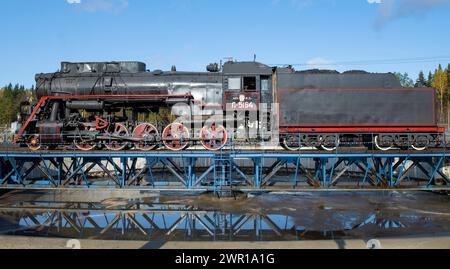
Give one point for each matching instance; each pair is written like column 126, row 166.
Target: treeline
column 10, row 99
column 439, row 80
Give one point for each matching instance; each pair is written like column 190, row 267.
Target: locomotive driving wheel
column 213, row 137
column 115, row 143
column 176, row 137
column 34, row 143
column 85, row 145
column 148, row 133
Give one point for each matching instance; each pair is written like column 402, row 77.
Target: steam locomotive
column 122, row 105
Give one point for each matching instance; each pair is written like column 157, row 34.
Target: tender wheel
column 115, row 143
column 384, row 143
column 34, row 143
column 421, row 143
column 176, row 137
column 329, row 143
column 213, row 137
column 291, row 143
column 148, row 133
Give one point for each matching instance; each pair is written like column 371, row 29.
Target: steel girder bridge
column 245, row 170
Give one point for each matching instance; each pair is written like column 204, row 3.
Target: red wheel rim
column 85, row 146
column 34, row 143
column 214, row 137
column 119, row 131
column 149, row 133
column 176, row 137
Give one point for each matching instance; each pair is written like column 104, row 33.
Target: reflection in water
column 140, row 221
column 386, row 224
column 178, row 219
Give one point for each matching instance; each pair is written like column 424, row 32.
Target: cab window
column 234, row 84
column 249, row 83
column 264, row 83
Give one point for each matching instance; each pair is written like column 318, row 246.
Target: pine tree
column 421, row 82
column 10, row 100
column 430, row 79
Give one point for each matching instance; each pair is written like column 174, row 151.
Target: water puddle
column 258, row 217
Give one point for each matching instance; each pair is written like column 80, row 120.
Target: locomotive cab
column 248, row 95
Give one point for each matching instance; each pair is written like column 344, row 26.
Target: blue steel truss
column 246, row 170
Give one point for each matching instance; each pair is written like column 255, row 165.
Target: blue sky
column 37, row 35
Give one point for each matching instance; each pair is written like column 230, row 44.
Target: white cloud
column 374, row 1
column 391, row 10
column 110, row 6
column 319, row 63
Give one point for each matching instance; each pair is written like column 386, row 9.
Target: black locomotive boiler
column 122, row 105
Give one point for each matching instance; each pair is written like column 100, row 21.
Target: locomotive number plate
column 242, row 101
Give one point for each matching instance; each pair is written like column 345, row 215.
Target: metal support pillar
column 124, row 162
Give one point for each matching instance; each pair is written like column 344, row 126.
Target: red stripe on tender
column 356, row 89
column 364, row 130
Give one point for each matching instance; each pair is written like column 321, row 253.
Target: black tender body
column 381, row 107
